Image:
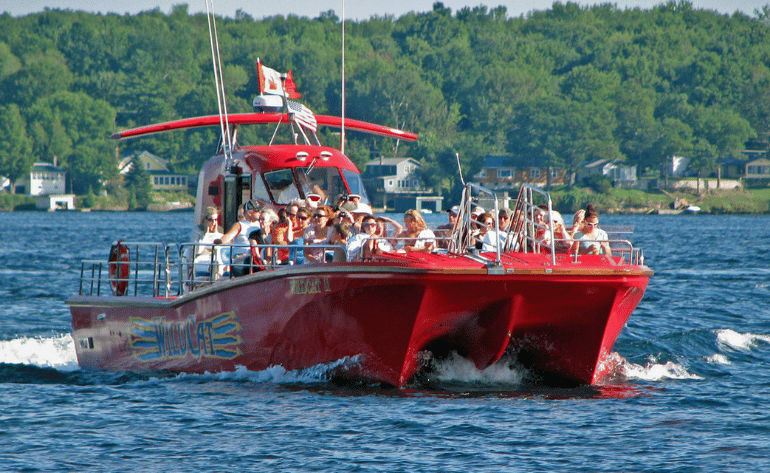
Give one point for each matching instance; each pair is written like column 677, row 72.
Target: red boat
column 559, row 313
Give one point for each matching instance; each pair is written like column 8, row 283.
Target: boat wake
column 727, row 338
column 55, row 352
column 276, row 374
column 456, row 369
column 618, row 369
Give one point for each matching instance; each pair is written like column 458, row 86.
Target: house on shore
column 397, row 183
column 161, row 176
column 509, row 173
column 47, row 182
column 621, row 175
column 757, row 172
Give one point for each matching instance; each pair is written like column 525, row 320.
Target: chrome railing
column 524, row 233
column 170, row 270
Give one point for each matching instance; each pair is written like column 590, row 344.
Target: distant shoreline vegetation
column 556, row 88
column 754, row 201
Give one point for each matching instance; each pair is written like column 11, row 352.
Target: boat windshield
column 280, row 183
column 355, row 184
column 324, row 181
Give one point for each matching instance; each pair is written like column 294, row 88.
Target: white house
column 43, row 179
column 620, row 174
column 678, row 166
column 391, row 177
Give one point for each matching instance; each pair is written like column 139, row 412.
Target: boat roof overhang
column 268, row 158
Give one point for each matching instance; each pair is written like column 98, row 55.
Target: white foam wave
column 651, row 371
column 717, row 359
column 739, row 341
column 277, row 374
column 54, row 352
column 455, row 368
column 658, row 371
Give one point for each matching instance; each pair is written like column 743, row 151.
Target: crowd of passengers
column 583, row 237
column 352, row 225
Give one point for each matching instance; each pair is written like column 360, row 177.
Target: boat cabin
column 275, row 175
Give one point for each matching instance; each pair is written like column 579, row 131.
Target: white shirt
column 425, row 238
column 489, row 242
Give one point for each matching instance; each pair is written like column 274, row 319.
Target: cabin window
column 324, row 181
column 280, row 183
column 503, row 173
column 260, row 191
column 355, row 185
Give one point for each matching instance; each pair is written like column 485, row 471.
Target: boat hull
column 562, row 323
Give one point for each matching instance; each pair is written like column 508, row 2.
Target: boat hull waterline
column 561, row 321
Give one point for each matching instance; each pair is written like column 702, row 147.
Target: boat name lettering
column 158, row 339
column 309, row 286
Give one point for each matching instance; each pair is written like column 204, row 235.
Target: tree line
column 558, row 87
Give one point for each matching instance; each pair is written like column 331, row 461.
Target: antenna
column 460, row 169
column 216, row 61
column 342, row 129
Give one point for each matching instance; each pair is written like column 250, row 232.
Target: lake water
column 692, row 391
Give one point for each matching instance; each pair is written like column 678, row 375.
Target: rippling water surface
column 691, row 391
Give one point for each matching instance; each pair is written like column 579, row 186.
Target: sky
column 354, row 9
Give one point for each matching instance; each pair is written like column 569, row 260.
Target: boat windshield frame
column 284, row 188
column 306, row 177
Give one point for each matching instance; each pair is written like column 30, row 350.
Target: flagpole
column 342, row 132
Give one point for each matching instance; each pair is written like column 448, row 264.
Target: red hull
column 562, row 320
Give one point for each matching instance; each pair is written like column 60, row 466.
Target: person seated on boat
column 343, row 216
column 504, row 219
column 282, row 233
column 206, row 256
column 443, row 232
column 267, row 220
column 238, row 235
column 317, row 234
column 591, row 239
column 487, row 237
column 561, row 235
column 339, row 234
column 475, row 214
column 303, row 223
column 382, row 227
column 367, row 244
column 418, row 238
column 359, row 211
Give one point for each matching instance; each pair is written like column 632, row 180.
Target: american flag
column 303, row 115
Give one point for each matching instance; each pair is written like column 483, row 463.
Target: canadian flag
column 270, row 82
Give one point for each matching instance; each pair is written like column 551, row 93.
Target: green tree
column 138, row 183
column 15, row 148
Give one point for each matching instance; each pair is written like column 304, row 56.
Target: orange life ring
column 119, row 268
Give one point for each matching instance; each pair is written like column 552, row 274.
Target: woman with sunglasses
column 212, row 234
column 485, row 239
column 317, row 234
column 421, row 239
column 364, row 245
column 591, row 239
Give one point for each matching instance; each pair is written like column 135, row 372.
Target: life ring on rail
column 119, row 268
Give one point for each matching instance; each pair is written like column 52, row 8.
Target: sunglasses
column 211, row 219
column 303, row 217
column 291, row 214
column 370, row 224
column 319, row 216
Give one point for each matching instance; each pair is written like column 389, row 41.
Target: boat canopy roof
column 265, row 118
